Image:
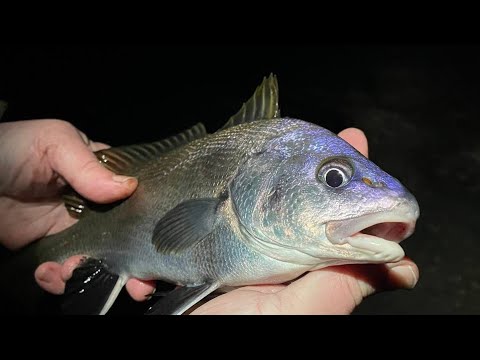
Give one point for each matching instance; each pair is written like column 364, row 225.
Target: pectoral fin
column 185, row 225
column 92, row 289
column 181, row 299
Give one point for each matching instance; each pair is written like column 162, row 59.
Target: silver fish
column 261, row 201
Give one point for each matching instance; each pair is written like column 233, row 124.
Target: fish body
column 262, row 201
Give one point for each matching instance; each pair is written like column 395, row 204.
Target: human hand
column 37, row 159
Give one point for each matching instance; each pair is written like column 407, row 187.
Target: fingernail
column 122, row 178
column 407, row 274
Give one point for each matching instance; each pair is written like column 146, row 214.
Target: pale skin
column 38, row 157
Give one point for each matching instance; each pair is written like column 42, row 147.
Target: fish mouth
column 391, row 231
column 375, row 237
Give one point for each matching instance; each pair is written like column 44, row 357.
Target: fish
column 263, row 200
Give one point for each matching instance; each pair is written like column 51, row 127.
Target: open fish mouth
column 377, row 235
column 391, row 231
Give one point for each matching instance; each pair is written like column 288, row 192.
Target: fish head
column 310, row 198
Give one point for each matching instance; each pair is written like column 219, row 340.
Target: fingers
column 69, row 152
column 69, row 265
column 333, row 290
column 140, row 290
column 247, row 300
column 356, row 138
column 402, row 275
column 70, row 156
column 52, row 277
column 49, row 278
column 339, row 289
column 97, row 146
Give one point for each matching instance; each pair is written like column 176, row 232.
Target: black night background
column 417, row 104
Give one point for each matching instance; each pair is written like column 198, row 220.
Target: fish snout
column 408, row 206
column 395, row 193
column 406, row 203
column 404, row 215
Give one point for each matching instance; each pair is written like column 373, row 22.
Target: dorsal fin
column 262, row 105
column 3, row 108
column 126, row 160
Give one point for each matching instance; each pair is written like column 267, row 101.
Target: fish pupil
column 334, row 178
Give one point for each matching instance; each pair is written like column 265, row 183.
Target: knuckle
column 90, row 166
column 52, row 132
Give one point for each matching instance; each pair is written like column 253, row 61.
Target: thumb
column 72, row 159
column 356, row 138
column 340, row 289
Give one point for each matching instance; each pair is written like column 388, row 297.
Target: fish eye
column 335, row 173
column 335, row 177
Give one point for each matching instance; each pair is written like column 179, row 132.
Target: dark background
column 418, row 104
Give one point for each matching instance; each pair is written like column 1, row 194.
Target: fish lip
column 393, row 229
column 377, row 233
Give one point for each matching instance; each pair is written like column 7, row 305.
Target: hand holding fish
column 38, row 159
column 62, row 153
column 266, row 208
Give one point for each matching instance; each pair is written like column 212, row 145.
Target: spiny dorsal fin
column 74, row 202
column 125, row 160
column 3, row 108
column 262, row 105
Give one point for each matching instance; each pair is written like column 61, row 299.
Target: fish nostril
column 375, row 184
column 379, row 184
column 367, row 181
